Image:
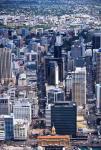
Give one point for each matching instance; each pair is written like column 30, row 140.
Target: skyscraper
column 98, row 66
column 89, row 77
column 79, row 86
column 98, row 98
column 5, row 64
column 96, row 40
column 60, row 63
column 63, row 116
column 57, row 52
column 53, row 73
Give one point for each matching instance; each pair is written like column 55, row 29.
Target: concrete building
column 20, row 130
column 22, row 110
column 79, row 86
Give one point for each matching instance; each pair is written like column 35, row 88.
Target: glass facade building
column 9, row 128
column 63, row 117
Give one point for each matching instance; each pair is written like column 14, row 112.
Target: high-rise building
column 57, row 52
column 6, row 127
column 98, row 98
column 68, row 88
column 63, row 116
column 96, row 40
column 77, row 49
column 98, row 66
column 79, row 86
column 53, row 73
column 55, row 95
column 59, row 41
column 22, row 110
column 4, row 105
column 60, row 63
column 89, row 77
column 5, row 64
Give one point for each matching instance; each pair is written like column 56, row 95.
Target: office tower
column 60, row 63
column 63, row 116
column 65, row 58
column 98, row 66
column 98, row 98
column 79, row 86
column 4, row 105
column 58, row 46
column 96, row 40
column 77, row 49
column 69, row 82
column 53, row 73
column 5, row 64
column 57, row 51
column 22, row 110
column 6, row 127
column 54, row 95
column 89, row 77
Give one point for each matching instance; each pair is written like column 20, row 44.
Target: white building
column 79, row 86
column 98, row 97
column 22, row 80
column 22, row 110
column 48, row 115
column 20, row 130
column 59, row 41
column 69, row 82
